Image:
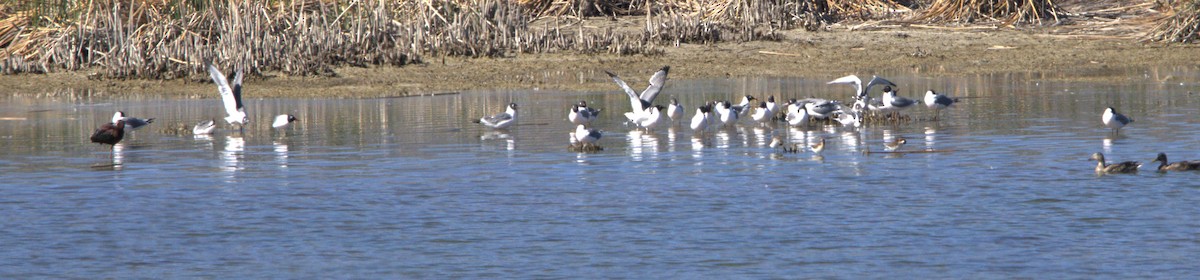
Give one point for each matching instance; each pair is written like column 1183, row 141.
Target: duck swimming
column 1120, row 167
column 1164, row 165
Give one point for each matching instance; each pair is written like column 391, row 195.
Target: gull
column 674, row 110
column 761, row 113
column 894, row 103
column 131, row 123
column 589, row 114
column 1164, row 166
column 204, row 127
column 895, row 144
column 860, row 92
column 576, row 115
column 701, row 120
column 726, row 115
column 743, row 108
column 798, row 116
column 848, row 118
column 501, row 120
column 820, row 108
column 109, row 133
column 282, row 121
column 231, row 96
column 651, row 118
column 937, row 102
column 586, row 137
column 772, row 107
column 641, row 103
column 1120, row 167
column 1114, row 120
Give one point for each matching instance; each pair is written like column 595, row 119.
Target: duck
column 1120, row 167
column 1164, row 165
column 109, row 133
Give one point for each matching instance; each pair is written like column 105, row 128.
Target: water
column 409, row 188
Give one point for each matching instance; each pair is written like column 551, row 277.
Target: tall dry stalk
column 1008, row 12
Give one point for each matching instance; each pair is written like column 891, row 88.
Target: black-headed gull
column 204, row 127
column 762, row 113
column 1120, row 167
column 501, row 120
column 1114, row 120
column 860, row 91
column 937, row 102
column 674, row 110
column 586, row 137
column 639, row 104
column 131, row 123
column 798, row 116
column 231, row 96
column 895, row 103
column 109, row 133
column 282, row 121
column 701, row 120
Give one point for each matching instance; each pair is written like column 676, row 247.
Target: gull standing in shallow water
column 204, row 127
column 501, row 120
column 701, row 120
column 894, row 103
column 1120, row 167
column 282, row 121
column 231, row 96
column 1114, row 120
column 762, row 113
column 1164, row 166
column 640, row 104
column 582, row 114
column 937, row 102
column 586, row 137
column 131, row 123
column 674, row 110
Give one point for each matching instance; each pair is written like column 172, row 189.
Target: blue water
column 409, row 188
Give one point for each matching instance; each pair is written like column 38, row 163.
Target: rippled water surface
column 410, row 188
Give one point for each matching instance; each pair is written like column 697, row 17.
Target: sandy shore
column 927, row 51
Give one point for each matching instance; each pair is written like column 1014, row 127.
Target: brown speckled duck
column 1120, row 167
column 1164, row 165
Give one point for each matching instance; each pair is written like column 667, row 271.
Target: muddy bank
column 927, row 51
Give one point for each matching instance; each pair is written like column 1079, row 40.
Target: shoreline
column 932, row 52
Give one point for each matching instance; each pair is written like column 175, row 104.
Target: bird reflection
column 118, row 155
column 281, row 154
column 930, row 137
column 642, row 143
column 231, row 156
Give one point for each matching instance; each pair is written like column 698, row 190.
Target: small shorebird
column 1164, row 165
column 818, row 147
column 1114, row 120
column 131, row 123
column 1120, row 167
column 501, row 120
column 109, row 133
column 204, row 127
column 937, row 102
column 231, row 96
column 895, row 144
column 282, row 121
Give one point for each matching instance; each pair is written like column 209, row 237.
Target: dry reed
column 1181, row 22
column 167, row 39
column 1008, row 12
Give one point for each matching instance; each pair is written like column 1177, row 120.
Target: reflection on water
column 359, row 186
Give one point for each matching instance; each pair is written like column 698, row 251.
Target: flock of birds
column 231, row 97
column 645, row 115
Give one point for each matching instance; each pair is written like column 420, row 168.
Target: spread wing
column 875, row 80
column 656, row 83
column 636, row 102
column 230, row 96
